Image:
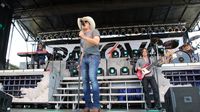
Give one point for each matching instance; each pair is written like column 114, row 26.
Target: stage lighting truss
column 122, row 31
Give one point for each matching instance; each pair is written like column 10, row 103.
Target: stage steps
column 122, row 89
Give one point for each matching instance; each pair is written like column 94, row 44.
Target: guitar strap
column 149, row 61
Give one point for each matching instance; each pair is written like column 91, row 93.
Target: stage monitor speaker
column 5, row 102
column 182, row 99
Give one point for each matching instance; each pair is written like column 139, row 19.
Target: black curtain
column 5, row 23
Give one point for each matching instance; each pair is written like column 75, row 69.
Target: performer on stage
column 148, row 79
column 90, row 59
column 40, row 59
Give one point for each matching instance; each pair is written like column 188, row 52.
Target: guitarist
column 148, row 79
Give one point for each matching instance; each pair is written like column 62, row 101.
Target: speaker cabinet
column 182, row 99
column 5, row 102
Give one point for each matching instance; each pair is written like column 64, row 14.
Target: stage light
column 61, row 35
column 136, row 31
column 70, row 56
column 143, row 30
column 2, row 27
column 129, row 31
column 123, row 31
column 104, row 32
column 149, row 30
column 169, row 29
column 50, row 37
column 161, row 51
column 116, row 32
column 45, row 37
column 55, row 36
column 73, row 35
column 74, row 72
column 176, row 29
column 125, row 53
column 124, row 71
column 115, row 54
column 162, row 29
column 100, row 72
column 110, row 32
column 156, row 30
column 183, row 28
column 112, row 71
column 67, row 35
column 136, row 53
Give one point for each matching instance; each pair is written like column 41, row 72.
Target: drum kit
column 185, row 54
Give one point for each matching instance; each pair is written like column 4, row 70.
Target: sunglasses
column 83, row 22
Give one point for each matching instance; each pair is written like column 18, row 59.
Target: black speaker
column 182, row 99
column 5, row 102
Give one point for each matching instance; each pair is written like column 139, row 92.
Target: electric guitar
column 145, row 70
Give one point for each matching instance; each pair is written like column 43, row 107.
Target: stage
column 68, row 110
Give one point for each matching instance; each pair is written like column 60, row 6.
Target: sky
column 17, row 44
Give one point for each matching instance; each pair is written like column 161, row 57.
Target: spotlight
column 143, row 30
column 129, row 31
column 156, row 30
column 124, row 71
column 149, row 30
column 37, row 39
column 104, row 32
column 50, row 37
column 169, row 29
column 125, row 53
column 116, row 32
column 161, row 51
column 136, row 53
column 176, row 28
column 45, row 37
column 55, row 36
column 123, row 31
column 112, row 71
column 70, row 56
column 162, row 29
column 136, row 31
column 110, row 32
column 67, row 35
column 61, row 35
column 73, row 35
column 115, row 54
column 100, row 72
column 74, row 72
column 183, row 29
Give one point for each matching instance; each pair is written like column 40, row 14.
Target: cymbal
column 156, row 40
column 171, row 44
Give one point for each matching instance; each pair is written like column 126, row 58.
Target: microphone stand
column 156, row 74
column 79, row 84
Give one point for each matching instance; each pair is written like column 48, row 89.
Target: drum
column 181, row 57
column 195, row 57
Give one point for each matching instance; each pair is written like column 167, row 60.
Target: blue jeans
column 89, row 68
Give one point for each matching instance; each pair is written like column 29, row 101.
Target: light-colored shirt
column 141, row 63
column 89, row 48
